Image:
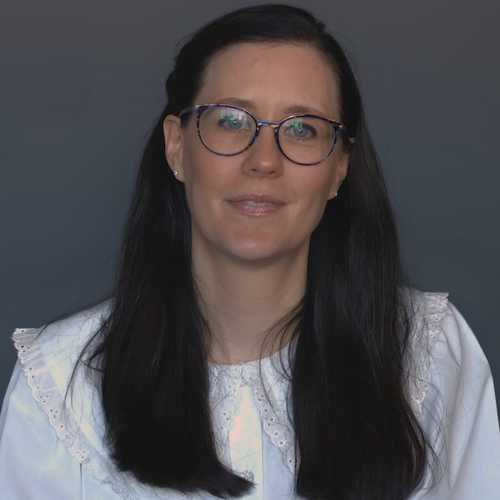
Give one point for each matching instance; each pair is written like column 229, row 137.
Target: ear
column 172, row 133
column 340, row 173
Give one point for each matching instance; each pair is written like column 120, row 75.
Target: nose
column 264, row 157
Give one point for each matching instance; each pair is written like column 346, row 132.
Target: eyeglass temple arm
column 185, row 110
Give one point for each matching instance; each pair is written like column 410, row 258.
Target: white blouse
column 51, row 449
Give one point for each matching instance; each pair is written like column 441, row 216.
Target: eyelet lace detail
column 48, row 396
column 424, row 336
column 270, row 393
column 225, row 396
column 275, row 419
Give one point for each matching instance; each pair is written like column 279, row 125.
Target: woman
column 262, row 340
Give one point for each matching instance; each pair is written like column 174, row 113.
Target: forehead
column 273, row 78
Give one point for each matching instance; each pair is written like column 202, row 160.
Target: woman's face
column 272, row 82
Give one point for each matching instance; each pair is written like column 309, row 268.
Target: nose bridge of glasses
column 263, row 123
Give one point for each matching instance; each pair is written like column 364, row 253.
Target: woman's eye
column 300, row 130
column 233, row 122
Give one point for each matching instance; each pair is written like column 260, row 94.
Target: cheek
column 199, row 174
column 313, row 212
column 207, row 180
column 313, row 191
column 314, row 188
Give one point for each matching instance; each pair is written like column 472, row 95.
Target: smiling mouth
column 258, row 198
column 256, row 209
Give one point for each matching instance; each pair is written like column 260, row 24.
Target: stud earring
column 175, row 172
column 335, row 195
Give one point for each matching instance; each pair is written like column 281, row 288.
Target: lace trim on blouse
column 62, row 420
column 424, row 336
column 270, row 396
column 270, row 393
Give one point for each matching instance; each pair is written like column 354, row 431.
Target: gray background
column 82, row 82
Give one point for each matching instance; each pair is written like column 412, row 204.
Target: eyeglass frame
column 200, row 108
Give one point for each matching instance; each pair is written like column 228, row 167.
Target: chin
column 254, row 252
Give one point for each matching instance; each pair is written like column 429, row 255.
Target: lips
column 258, row 198
column 257, row 205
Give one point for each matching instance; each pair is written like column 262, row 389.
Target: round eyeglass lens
column 306, row 140
column 226, row 130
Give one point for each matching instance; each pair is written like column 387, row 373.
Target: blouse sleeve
column 34, row 464
column 461, row 393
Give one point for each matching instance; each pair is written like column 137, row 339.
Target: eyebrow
column 291, row 110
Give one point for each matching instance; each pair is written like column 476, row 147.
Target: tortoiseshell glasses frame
column 199, row 109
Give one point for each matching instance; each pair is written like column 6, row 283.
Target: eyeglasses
column 228, row 130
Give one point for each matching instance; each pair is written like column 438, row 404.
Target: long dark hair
column 356, row 434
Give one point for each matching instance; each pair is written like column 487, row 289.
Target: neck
column 241, row 301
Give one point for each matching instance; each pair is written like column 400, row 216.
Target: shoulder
column 441, row 334
column 62, row 339
column 445, row 354
column 456, row 401
column 459, row 368
column 48, row 356
column 71, row 401
column 458, row 343
column 441, row 340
